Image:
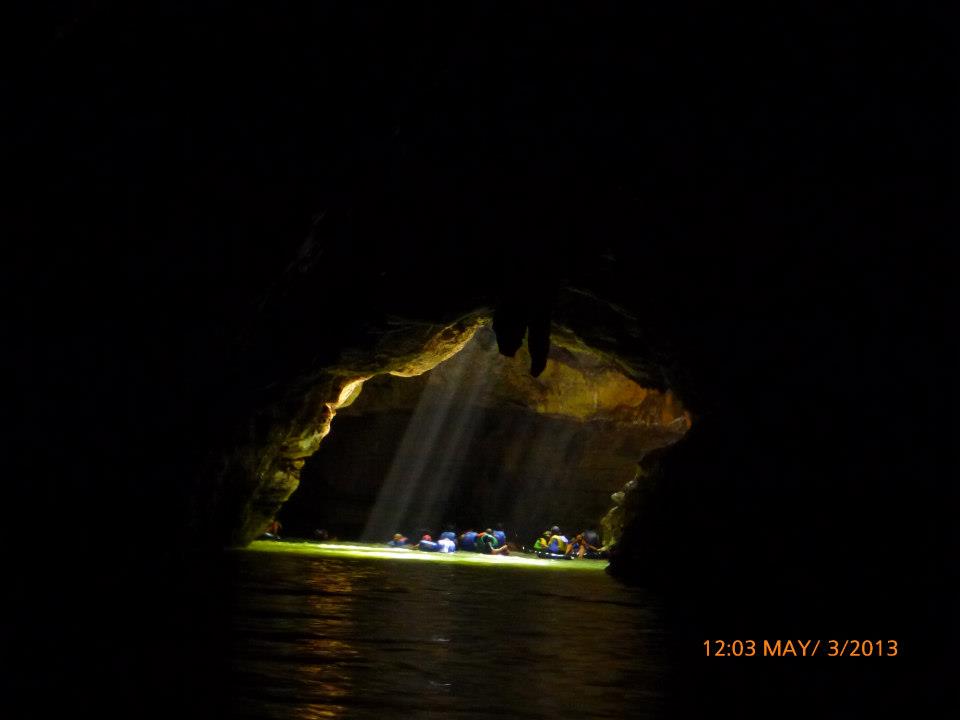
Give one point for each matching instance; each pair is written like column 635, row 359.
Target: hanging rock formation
column 549, row 448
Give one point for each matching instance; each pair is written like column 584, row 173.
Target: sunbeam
column 429, row 460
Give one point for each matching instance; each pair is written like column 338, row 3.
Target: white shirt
column 446, row 545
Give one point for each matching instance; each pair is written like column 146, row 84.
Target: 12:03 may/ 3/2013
column 801, row 648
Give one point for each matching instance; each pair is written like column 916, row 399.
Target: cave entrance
column 477, row 441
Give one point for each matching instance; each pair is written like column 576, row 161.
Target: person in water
column 273, row 530
column 558, row 542
column 592, row 537
column 398, row 541
column 541, row 544
column 487, row 544
column 427, row 544
column 447, row 544
column 582, row 547
column 468, row 541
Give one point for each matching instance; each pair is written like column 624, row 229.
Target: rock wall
column 258, row 477
column 540, row 451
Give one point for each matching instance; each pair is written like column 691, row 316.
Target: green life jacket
column 486, row 539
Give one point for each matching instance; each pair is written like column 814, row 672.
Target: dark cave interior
column 211, row 244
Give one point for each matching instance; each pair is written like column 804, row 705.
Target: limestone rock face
column 576, row 384
column 262, row 473
column 627, row 503
column 593, row 423
column 528, row 451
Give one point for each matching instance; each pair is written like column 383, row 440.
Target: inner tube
column 553, row 556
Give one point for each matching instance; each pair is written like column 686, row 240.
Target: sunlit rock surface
column 262, row 474
column 552, row 448
column 536, row 452
column 576, row 384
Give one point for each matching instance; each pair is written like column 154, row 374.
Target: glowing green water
column 381, row 552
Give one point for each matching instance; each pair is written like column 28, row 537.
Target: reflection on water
column 331, row 637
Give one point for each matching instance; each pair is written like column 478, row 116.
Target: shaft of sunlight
column 430, row 456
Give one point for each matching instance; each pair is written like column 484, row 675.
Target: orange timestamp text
column 801, row 648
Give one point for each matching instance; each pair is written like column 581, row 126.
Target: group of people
column 585, row 544
column 552, row 542
column 488, row 542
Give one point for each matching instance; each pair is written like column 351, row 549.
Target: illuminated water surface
column 347, row 631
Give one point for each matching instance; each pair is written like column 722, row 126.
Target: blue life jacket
column 428, row 546
column 501, row 537
column 449, row 535
column 468, row 541
column 554, row 547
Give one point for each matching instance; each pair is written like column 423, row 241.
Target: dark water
column 298, row 634
column 330, row 637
